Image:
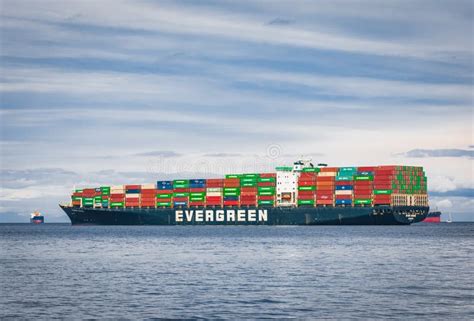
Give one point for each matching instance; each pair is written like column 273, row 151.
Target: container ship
column 301, row 194
column 36, row 218
column 433, row 217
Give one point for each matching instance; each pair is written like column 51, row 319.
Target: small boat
column 450, row 218
column 36, row 218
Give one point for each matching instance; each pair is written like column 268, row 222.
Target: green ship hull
column 379, row 215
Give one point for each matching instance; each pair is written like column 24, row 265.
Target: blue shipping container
column 197, row 185
column 365, row 173
column 197, row 181
column 180, row 203
column 132, row 191
column 343, row 187
column 231, row 198
column 343, row 202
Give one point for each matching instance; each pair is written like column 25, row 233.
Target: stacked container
column 249, row 189
column 266, row 189
column 132, row 195
column 232, row 190
column 286, row 186
column 164, row 193
column 117, row 196
column 76, row 198
column 148, row 196
column 363, row 186
column 325, row 183
column 197, row 192
column 180, row 193
column 88, row 195
column 344, row 186
column 214, row 192
column 307, row 186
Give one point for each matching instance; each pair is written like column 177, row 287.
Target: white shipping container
column 148, row 186
column 343, row 192
column 214, row 194
column 132, row 195
column 327, row 174
column 213, row 189
column 117, row 187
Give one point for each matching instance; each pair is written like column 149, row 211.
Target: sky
column 115, row 92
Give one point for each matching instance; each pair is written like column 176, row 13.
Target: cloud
column 158, row 153
column 458, row 192
column 223, row 155
column 279, row 21
column 422, row 153
column 444, row 204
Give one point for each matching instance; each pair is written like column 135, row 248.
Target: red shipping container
column 266, row 197
column 339, row 183
column 197, row 190
column 105, row 197
column 308, row 175
column 196, row 203
column 133, row 187
column 231, row 203
column 232, row 182
column 327, row 196
column 248, row 203
column 366, row 169
column 214, row 203
column 266, row 183
column 77, row 194
column 181, row 190
column 306, row 192
column 362, row 183
column 343, row 197
column 324, row 202
column 306, row 197
column 325, row 179
column 329, row 169
column 307, row 183
column 362, row 196
column 388, row 167
column 325, row 188
column 383, row 186
column 180, row 199
column 148, row 192
column 267, row 174
column 215, row 182
column 248, row 189
column 248, row 197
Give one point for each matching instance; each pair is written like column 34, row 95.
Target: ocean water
column 423, row 271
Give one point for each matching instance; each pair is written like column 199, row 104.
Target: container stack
column 363, row 186
column 249, row 189
column 344, row 186
column 266, row 189
column 197, row 192
column 232, row 190
column 180, row 193
column 148, row 196
column 307, row 187
column 132, row 196
column 88, row 195
column 164, row 193
column 325, row 183
column 214, row 192
column 287, row 186
column 76, row 198
column 117, row 196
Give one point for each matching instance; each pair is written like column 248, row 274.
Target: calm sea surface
column 423, row 271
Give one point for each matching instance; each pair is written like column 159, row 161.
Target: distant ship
column 433, row 217
column 36, row 218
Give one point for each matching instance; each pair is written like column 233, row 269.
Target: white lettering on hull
column 241, row 215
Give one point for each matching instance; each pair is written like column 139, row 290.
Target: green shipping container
column 76, row 198
column 181, row 181
column 248, row 180
column 163, row 203
column 382, row 191
column 116, row 204
column 306, row 188
column 362, row 201
column 164, row 195
column 255, row 176
column 266, row 179
column 249, row 184
column 231, row 193
column 305, row 202
column 197, row 199
column 233, row 176
column 180, row 185
column 88, row 199
column 266, row 193
column 181, row 194
column 197, row 194
column 78, row 191
column 311, row 170
column 363, row 177
column 266, row 188
column 266, row 202
column 231, row 189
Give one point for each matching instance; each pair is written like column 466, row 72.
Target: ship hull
column 382, row 215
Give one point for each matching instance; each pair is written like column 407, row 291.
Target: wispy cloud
column 160, row 153
column 460, row 192
column 422, row 153
column 280, row 21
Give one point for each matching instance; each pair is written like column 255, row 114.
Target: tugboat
column 433, row 217
column 36, row 218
